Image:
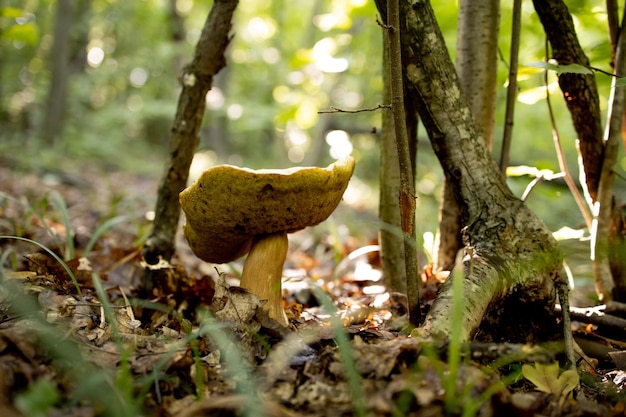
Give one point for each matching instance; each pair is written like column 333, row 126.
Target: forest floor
column 101, row 346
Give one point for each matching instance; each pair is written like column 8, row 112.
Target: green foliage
column 38, row 398
column 562, row 69
column 345, row 352
column 17, row 26
column 101, row 230
column 59, row 203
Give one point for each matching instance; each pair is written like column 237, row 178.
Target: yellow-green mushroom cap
column 227, row 206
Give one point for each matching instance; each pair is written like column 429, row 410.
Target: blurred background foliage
column 287, row 61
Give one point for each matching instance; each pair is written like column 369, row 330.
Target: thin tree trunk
column 54, row 113
column 177, row 34
column 407, row 186
column 605, row 204
column 477, row 65
column 196, row 79
column 508, row 247
column 477, row 60
column 511, row 90
column 391, row 236
column 579, row 90
column 581, row 96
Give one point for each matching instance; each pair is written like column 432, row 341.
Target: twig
column 334, row 109
column 595, row 315
column 612, row 12
column 560, row 155
column 601, row 71
column 511, row 92
column 562, row 289
column 382, row 25
column 538, row 180
column 615, row 307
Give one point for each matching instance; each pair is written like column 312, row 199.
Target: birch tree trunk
column 477, row 66
column 508, row 248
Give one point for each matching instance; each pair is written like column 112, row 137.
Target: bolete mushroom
column 232, row 211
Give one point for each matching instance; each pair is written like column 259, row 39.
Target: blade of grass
column 451, row 396
column 59, row 203
column 124, row 384
column 3, row 258
column 102, row 229
column 245, row 383
column 30, row 210
column 55, row 256
column 343, row 345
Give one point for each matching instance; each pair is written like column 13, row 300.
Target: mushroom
column 232, row 211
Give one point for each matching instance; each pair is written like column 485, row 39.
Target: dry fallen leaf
column 239, row 306
column 546, row 378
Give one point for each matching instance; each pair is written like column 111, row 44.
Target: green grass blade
column 59, row 203
column 345, row 352
column 54, row 255
column 451, row 395
column 245, row 383
column 102, row 229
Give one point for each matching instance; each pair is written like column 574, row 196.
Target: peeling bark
column 507, row 246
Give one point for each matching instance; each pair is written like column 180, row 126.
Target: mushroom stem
column 263, row 272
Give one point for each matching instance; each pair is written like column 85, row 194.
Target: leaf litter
column 199, row 345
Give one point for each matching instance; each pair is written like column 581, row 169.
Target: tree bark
column 477, row 66
column 407, row 183
column 579, row 90
column 511, row 90
column 177, row 34
column 196, row 79
column 507, row 246
column 54, row 114
column 608, row 235
column 391, row 236
column 477, row 60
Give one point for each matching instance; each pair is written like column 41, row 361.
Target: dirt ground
column 197, row 345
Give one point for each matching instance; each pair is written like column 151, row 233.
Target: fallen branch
column 338, row 110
